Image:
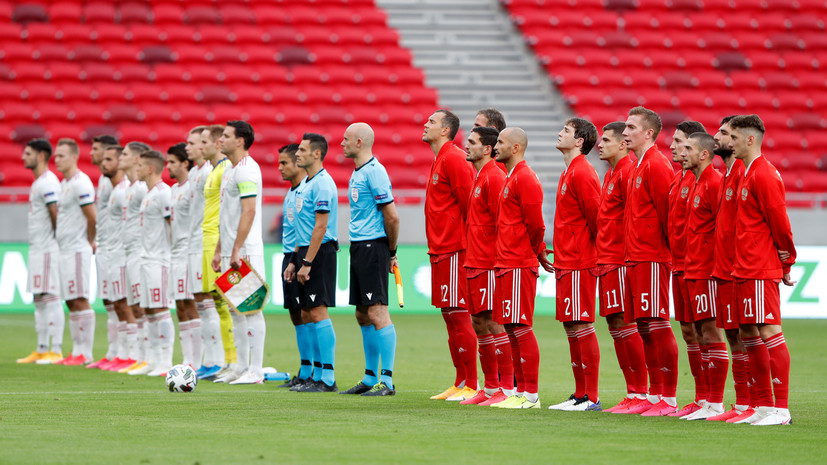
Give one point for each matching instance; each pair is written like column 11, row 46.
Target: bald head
column 358, row 140
column 364, row 132
column 511, row 145
column 515, row 136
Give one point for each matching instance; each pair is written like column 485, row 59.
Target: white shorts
column 43, row 273
column 179, row 280
column 194, row 273
column 102, row 268
column 133, row 279
column 155, row 282
column 75, row 268
column 116, row 279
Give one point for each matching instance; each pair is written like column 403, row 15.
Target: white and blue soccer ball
column 181, row 378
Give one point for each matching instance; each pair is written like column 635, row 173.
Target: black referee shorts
column 369, row 264
column 321, row 288
column 293, row 298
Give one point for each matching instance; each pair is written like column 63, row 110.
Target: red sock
column 667, row 349
column 759, row 369
column 576, row 364
column 740, row 377
column 529, row 357
column 780, row 368
column 718, row 368
column 704, row 378
column 466, row 345
column 590, row 358
column 452, row 346
column 504, row 363
column 695, row 361
column 633, row 344
column 651, row 355
column 488, row 360
column 515, row 359
column 622, row 360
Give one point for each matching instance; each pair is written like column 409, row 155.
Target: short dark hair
column 495, row 118
column 105, row 140
column 179, row 151
column 584, row 129
column 727, row 119
column 156, row 157
column 617, row 127
column 450, row 120
column 748, row 122
column 704, row 141
column 317, row 142
column 41, row 146
column 690, row 127
column 245, row 131
column 651, row 118
column 138, row 147
column 488, row 136
column 290, row 150
column 116, row 148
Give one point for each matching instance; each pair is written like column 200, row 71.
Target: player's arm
column 531, row 209
column 771, row 195
column 316, row 238
column 52, row 207
column 91, row 223
column 461, row 177
column 589, row 195
column 390, row 218
column 659, row 181
column 245, row 224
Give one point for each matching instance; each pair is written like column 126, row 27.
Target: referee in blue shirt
column 374, row 229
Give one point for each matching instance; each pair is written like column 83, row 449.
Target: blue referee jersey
column 316, row 194
column 369, row 188
column 288, row 221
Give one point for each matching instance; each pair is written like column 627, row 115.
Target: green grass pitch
column 54, row 414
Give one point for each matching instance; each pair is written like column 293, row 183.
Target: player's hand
column 783, row 255
column 544, row 261
column 394, row 262
column 235, row 260
column 216, row 263
column 787, row 280
column 304, row 274
column 289, row 273
column 94, row 247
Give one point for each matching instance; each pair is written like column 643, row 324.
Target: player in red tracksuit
column 648, row 257
column 481, row 223
column 575, row 260
column 697, row 153
column 613, row 287
column 446, row 206
column 679, row 190
column 764, row 253
column 519, row 250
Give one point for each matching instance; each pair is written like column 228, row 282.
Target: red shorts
column 727, row 305
column 759, row 302
column 681, row 299
column 480, row 290
column 515, row 290
column 448, row 282
column 649, row 282
column 614, row 293
column 703, row 298
column 575, row 296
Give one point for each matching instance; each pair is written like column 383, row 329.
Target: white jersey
column 76, row 192
column 155, row 230
column 103, row 228
column 132, row 228
column 45, row 191
column 116, row 211
column 240, row 181
column 180, row 217
column 197, row 179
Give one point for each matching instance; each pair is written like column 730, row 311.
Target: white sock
column 185, row 338
column 41, row 323
column 134, row 352
column 74, row 332
column 166, row 336
column 152, row 349
column 111, row 332
column 57, row 323
column 509, row 392
column 123, row 340
column 213, row 346
column 195, row 342
column 257, row 331
column 143, row 335
column 87, row 331
column 531, row 396
column 653, row 399
column 671, row 401
column 242, row 341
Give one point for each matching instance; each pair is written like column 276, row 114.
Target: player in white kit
column 189, row 322
column 239, row 236
column 75, row 235
column 43, row 254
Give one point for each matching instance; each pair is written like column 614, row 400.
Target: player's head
column 131, row 152
column 110, row 163
column 612, row 144
column 490, row 117
column 99, row 143
column 66, row 155
column 238, row 137
column 443, row 126
column 480, row 143
column 178, row 162
column 209, row 141
column 577, row 133
column 682, row 132
column 194, row 143
column 287, row 163
column 358, row 139
column 722, row 138
column 150, row 165
column 746, row 136
column 511, row 145
column 313, row 147
column 36, row 152
column 697, row 151
column 642, row 128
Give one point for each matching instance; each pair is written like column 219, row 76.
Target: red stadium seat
column 29, row 13
column 99, row 13
column 65, row 12
column 134, row 13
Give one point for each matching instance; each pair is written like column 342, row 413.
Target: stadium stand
column 150, row 70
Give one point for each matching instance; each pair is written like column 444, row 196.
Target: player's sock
column 327, row 350
column 759, row 369
column 134, row 351
column 123, row 340
column 505, row 366
column 779, row 368
column 211, row 334
column 387, row 349
column 650, row 354
column 693, row 350
column 111, row 331
column 152, row 348
column 705, row 382
column 241, row 341
column 576, row 364
column 718, row 368
column 256, row 334
column 667, row 349
column 370, row 345
column 74, row 324
column 196, row 341
column 56, row 322
column 315, row 351
column 466, row 346
column 41, row 324
column 529, row 357
column 86, row 328
column 143, row 328
column 622, row 360
column 590, row 361
column 515, row 360
column 304, row 341
column 633, row 345
column 740, row 377
column 452, row 347
column 488, row 360
column 166, row 336
column 185, row 339
column 226, row 326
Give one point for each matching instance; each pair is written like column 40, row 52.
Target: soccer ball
column 181, row 378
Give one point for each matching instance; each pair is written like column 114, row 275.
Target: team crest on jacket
column 611, row 187
column 299, row 203
column 505, row 192
column 564, row 188
column 697, row 201
column 729, row 193
column 685, row 192
column 744, row 193
column 436, row 178
column 354, row 194
column 477, row 192
column 638, row 181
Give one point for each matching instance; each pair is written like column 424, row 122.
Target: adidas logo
column 665, row 370
column 573, row 365
column 461, row 350
column 462, row 301
column 776, row 381
column 369, row 294
column 522, row 360
column 586, row 315
column 712, row 365
column 583, row 366
column 770, row 316
column 498, row 352
column 249, row 333
column 662, row 311
column 312, row 297
column 297, row 300
column 522, row 317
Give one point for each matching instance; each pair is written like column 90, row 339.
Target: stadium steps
column 471, row 52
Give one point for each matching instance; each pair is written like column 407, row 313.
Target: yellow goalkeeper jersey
column 212, row 198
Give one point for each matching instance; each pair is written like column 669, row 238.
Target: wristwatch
column 306, row 262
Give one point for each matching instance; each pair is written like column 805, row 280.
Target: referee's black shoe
column 380, row 389
column 320, row 386
column 300, row 384
column 290, row 383
column 358, row 389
